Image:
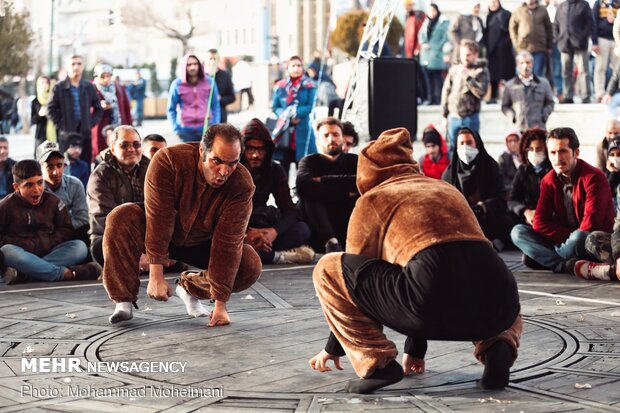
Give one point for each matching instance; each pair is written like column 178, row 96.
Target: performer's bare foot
column 219, row 315
column 413, row 365
column 390, row 374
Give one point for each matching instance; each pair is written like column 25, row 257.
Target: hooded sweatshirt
column 401, row 212
column 193, row 100
column 270, row 178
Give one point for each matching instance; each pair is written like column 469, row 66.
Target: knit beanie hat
column 255, row 129
column 430, row 135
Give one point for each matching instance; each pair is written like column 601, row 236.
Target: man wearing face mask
column 528, row 99
column 612, row 130
column 613, row 166
column 574, row 201
column 476, row 175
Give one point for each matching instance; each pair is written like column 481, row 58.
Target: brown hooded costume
column 185, row 219
column 422, row 267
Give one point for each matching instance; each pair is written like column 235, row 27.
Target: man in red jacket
column 574, row 200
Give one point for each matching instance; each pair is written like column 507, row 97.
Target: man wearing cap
column 75, row 166
column 197, row 204
column 390, row 278
column 115, row 103
column 528, row 99
column 68, row 188
column 75, row 107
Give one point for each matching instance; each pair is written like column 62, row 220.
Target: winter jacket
column 60, row 110
column 432, row 57
column 602, row 27
column 462, row 27
column 39, row 121
column 573, row 25
column 99, row 142
column 413, row 26
column 526, row 188
column 108, row 188
column 499, row 47
column 462, row 93
column 35, row 228
column 71, row 193
column 531, row 29
column 225, row 88
column 528, row 107
column 192, row 101
column 602, row 153
column 79, row 169
column 591, row 201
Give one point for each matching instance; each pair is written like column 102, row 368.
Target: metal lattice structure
column 371, row 44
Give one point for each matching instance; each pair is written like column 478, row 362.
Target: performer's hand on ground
column 413, row 365
column 158, row 288
column 618, row 268
column 319, row 362
column 219, row 315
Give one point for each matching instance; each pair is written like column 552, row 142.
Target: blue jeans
column 542, row 250
column 139, row 115
column 540, row 64
column 556, row 67
column 50, row 267
column 613, row 105
column 190, row 134
column 294, row 237
column 454, row 124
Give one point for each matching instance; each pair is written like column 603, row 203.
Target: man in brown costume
column 197, row 203
column 416, row 262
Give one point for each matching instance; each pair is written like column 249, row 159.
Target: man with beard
column 277, row 234
column 326, row 188
column 68, row 188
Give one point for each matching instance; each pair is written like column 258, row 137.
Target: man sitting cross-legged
column 36, row 233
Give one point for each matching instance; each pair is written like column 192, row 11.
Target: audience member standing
column 433, row 57
column 415, row 19
column 466, row 26
column 137, row 90
column 223, row 81
column 603, row 45
column 531, row 30
column 499, row 48
column 75, row 107
column 38, row 114
column 572, row 29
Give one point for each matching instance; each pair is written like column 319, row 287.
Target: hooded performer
column 395, row 274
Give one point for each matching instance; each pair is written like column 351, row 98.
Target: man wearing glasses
column 197, row 204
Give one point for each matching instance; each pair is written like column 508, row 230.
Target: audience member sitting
column 152, row 143
column 510, row 160
column 6, row 164
column 68, row 188
column 276, row 234
column 327, row 189
column 36, row 233
column 526, row 185
column 108, row 132
column 474, row 173
column 574, row 201
column 612, row 171
column 436, row 159
column 75, row 166
column 612, row 130
column 351, row 137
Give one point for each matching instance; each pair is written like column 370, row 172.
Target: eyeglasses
column 126, row 145
column 252, row 149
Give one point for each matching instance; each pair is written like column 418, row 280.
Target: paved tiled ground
column 569, row 359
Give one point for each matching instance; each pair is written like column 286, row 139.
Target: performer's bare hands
column 219, row 315
column 319, row 362
column 158, row 288
column 412, row 365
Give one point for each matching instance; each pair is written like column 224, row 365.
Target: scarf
column 431, row 25
column 109, row 95
column 44, row 98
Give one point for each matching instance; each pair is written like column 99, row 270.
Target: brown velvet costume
column 402, row 213
column 182, row 210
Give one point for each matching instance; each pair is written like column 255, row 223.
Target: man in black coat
column 6, row 166
column 224, row 83
column 327, row 189
column 75, row 107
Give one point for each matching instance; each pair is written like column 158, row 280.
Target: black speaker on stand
column 392, row 95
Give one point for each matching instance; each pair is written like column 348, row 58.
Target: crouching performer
column 416, row 262
column 197, row 204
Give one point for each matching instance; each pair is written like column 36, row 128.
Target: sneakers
column 11, row 276
column 531, row 264
column 122, row 312
column 300, row 255
column 593, row 270
column 193, row 305
column 90, row 271
column 331, row 246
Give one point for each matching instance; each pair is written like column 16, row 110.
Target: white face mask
column 616, row 161
column 536, row 158
column 467, row 153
